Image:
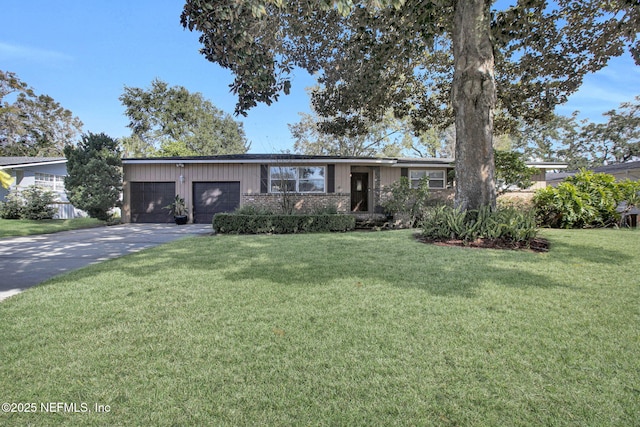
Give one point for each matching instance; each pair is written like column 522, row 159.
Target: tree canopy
column 31, row 124
column 94, row 180
column 171, row 121
column 618, row 139
column 582, row 143
column 389, row 137
column 512, row 171
column 432, row 61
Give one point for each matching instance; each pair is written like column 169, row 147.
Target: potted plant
column 179, row 210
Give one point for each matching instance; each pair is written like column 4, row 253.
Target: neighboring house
column 621, row 171
column 539, row 179
column 46, row 172
column 215, row 184
column 555, row 178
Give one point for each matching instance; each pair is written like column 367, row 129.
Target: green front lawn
column 334, row 329
column 26, row 227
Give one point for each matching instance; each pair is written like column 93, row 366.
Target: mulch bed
column 535, row 245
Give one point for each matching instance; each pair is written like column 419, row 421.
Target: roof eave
column 258, row 161
column 547, row 165
column 26, row 165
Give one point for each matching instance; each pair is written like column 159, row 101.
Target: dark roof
column 285, row 156
column 623, row 206
column 275, row 158
column 558, row 176
column 17, row 161
column 618, row 167
column 290, row 158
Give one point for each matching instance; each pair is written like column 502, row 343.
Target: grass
column 26, row 227
column 346, row 329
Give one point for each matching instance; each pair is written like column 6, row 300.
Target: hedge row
column 281, row 224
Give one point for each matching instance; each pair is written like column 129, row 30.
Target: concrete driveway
column 27, row 261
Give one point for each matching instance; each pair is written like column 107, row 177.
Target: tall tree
column 309, row 139
column 378, row 54
column 390, row 137
column 618, row 139
column 33, row 125
column 557, row 139
column 94, row 180
column 583, row 144
column 171, row 121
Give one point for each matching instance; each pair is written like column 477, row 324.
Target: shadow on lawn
column 380, row 259
column 595, row 254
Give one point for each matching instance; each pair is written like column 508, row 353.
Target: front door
column 359, row 191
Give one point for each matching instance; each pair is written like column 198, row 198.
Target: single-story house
column 46, row 172
column 212, row 184
column 621, row 171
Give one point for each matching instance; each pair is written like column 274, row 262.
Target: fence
column 67, row 211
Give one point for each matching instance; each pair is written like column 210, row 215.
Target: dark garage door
column 210, row 198
column 148, row 200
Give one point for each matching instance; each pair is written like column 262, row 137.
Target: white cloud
column 605, row 90
column 13, row 51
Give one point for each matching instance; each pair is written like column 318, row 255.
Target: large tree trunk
column 474, row 99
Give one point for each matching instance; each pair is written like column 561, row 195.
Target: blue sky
column 83, row 53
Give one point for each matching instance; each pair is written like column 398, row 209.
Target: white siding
column 26, row 177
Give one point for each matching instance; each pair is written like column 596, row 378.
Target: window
column 283, row 179
column 297, row 179
column 436, row 178
column 47, row 180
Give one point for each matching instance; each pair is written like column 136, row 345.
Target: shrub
column 281, row 224
column 509, row 224
column 326, row 210
column 518, row 203
column 37, row 203
column 563, row 207
column 33, row 203
column 407, row 201
column 12, row 207
column 442, row 222
column 252, row 210
column 515, row 225
column 586, row 199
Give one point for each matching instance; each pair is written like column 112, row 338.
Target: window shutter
column 264, row 179
column 331, row 178
column 404, row 172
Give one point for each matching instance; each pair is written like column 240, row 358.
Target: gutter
column 26, row 165
column 258, row 161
